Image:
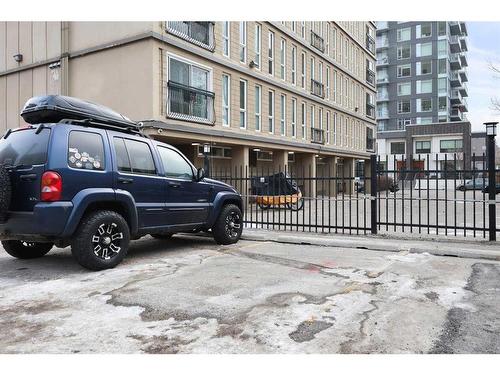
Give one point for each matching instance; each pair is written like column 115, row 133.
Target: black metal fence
column 444, row 194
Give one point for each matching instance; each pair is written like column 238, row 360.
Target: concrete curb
column 455, row 248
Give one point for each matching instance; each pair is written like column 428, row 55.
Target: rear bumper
column 47, row 221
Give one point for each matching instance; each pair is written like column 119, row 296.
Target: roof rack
column 136, row 130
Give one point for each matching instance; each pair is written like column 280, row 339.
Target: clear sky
column 484, row 48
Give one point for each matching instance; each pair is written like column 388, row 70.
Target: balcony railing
column 383, row 79
column 370, row 110
column 370, row 77
column 199, row 33
column 384, row 60
column 317, row 136
column 370, row 44
column 190, row 103
column 317, row 41
column 382, row 96
column 317, row 88
column 390, row 127
column 382, row 114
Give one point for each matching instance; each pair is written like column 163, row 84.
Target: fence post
column 490, row 152
column 373, row 192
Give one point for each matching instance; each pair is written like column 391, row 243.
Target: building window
column 404, row 35
column 243, row 104
column 452, row 145
column 303, row 29
column 402, row 122
column 335, row 128
column 271, row 112
column 397, row 148
column 226, row 101
column 282, row 114
column 424, row 49
column 258, row 104
column 188, row 92
column 327, row 44
column 271, row 53
column 442, row 29
column 335, row 86
column 312, row 118
column 404, row 88
column 404, row 106
column 294, row 65
column 404, row 70
column 313, row 72
column 422, row 147
column 443, row 103
column 264, row 155
column 294, row 25
column 442, row 85
column 303, row 70
column 226, row 38
column 424, row 87
column 199, row 33
column 294, row 117
column 243, row 42
column 442, row 47
column 424, row 67
column 304, row 120
column 327, row 127
column 404, row 52
column 424, row 105
column 283, row 59
column 217, row 152
column 442, row 66
column 370, row 140
column 425, row 30
column 258, row 44
column 328, row 83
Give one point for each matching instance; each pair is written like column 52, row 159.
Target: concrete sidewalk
column 442, row 246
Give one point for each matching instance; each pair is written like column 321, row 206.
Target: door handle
column 174, row 184
column 28, row 177
column 125, row 180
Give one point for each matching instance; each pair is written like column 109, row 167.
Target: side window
column 122, row 159
column 85, row 150
column 174, row 164
column 133, row 156
column 141, row 159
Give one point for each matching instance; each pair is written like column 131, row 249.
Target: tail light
column 51, row 187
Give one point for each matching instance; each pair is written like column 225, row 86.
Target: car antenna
column 7, row 133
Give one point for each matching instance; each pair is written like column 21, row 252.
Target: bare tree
column 495, row 102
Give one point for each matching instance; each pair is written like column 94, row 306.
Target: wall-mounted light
column 160, row 131
column 291, row 152
column 55, row 65
column 206, row 149
column 256, row 149
column 195, row 144
column 18, row 57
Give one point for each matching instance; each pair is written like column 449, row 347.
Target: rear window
column 24, row 147
column 85, row 150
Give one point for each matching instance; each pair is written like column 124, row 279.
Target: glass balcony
column 382, row 60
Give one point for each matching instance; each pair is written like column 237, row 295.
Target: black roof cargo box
column 54, row 108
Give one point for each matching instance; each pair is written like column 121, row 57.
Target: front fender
column 84, row 198
column 221, row 198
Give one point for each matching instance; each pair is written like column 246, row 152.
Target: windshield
column 24, row 147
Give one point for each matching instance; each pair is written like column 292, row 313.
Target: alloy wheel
column 233, row 224
column 107, row 241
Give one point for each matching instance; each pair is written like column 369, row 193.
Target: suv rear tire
column 101, row 241
column 229, row 225
column 26, row 250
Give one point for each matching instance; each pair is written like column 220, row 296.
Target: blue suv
column 86, row 176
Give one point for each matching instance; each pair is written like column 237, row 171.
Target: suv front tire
column 26, row 250
column 229, row 225
column 101, row 241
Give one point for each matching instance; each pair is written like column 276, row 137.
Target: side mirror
column 200, row 174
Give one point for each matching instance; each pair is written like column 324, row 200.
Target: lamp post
column 206, row 160
column 491, row 132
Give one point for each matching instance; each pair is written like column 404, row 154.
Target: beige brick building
column 272, row 95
